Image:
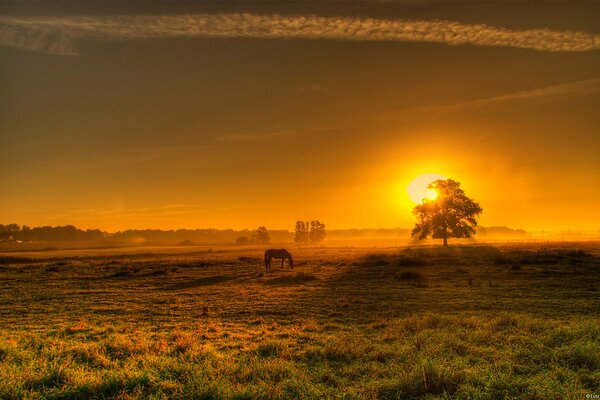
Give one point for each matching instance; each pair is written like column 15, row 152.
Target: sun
column 417, row 188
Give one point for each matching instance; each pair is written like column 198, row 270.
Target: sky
column 118, row 115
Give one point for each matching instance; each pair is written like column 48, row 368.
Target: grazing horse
column 279, row 254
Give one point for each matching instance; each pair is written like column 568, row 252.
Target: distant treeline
column 194, row 235
column 500, row 232
column 69, row 233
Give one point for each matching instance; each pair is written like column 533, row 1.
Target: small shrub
column 376, row 260
column 248, row 259
column 409, row 261
column 409, row 275
column 269, row 349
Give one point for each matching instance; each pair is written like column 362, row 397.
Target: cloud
column 316, row 87
column 577, row 88
column 60, row 35
column 254, row 137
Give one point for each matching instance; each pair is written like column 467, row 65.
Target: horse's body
column 279, row 254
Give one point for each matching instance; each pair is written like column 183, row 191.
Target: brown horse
column 279, row 254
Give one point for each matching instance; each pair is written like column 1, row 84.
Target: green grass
column 422, row 322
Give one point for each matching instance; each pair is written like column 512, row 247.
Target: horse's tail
column 291, row 260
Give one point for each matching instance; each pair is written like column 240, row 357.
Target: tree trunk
column 445, row 241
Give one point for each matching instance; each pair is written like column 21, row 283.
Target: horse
column 279, row 254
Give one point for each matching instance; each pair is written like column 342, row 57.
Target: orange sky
column 153, row 119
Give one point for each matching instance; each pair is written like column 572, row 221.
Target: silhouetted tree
column 317, row 232
column 309, row 232
column 261, row 235
column 450, row 214
column 301, row 232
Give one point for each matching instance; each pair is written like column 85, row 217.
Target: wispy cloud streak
column 577, row 88
column 254, row 137
column 60, row 35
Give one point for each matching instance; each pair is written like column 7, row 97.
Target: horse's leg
column 268, row 262
column 291, row 264
column 282, row 260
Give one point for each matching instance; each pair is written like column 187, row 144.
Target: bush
column 409, row 275
column 376, row 260
column 408, row 261
column 269, row 349
column 248, row 259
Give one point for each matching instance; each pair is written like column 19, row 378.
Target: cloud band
column 60, row 35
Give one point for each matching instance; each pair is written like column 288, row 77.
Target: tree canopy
column 309, row 232
column 261, row 235
column 450, row 215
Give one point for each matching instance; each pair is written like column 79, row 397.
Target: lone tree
column 450, row 214
column 317, row 232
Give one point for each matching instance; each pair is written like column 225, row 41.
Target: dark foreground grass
column 343, row 324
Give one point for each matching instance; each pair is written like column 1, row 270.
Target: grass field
column 472, row 322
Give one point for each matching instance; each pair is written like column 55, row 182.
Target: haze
column 163, row 118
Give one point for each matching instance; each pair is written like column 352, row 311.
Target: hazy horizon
column 237, row 115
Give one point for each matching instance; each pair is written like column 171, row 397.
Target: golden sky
column 195, row 115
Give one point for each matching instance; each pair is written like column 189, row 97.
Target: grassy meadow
column 467, row 322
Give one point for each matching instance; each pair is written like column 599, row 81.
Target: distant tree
column 8, row 230
column 301, row 232
column 317, row 232
column 450, row 215
column 92, row 234
column 309, row 232
column 242, row 241
column 261, row 235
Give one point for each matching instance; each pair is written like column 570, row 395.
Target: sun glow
column 417, row 188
